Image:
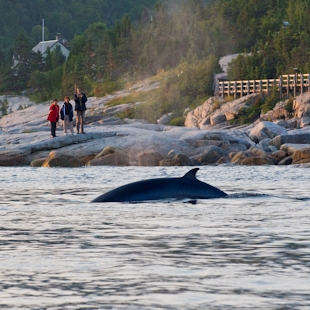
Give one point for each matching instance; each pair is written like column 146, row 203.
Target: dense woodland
column 113, row 45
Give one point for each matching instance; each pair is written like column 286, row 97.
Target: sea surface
column 250, row 250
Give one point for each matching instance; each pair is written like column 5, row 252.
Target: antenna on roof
column 42, row 36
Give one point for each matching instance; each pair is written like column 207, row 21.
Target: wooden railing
column 285, row 85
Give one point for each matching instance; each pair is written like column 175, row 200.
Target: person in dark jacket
column 66, row 114
column 53, row 116
column 80, row 108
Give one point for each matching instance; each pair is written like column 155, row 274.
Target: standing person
column 80, row 108
column 53, row 116
column 66, row 114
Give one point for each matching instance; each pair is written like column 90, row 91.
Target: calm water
column 59, row 251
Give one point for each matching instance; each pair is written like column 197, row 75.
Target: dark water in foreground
column 59, row 251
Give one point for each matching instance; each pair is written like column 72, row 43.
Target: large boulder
column 176, row 158
column 301, row 156
column 37, row 162
column 285, row 161
column 149, row 158
column 303, row 138
column 237, row 159
column 165, row 119
column 13, row 158
column 60, row 160
column 257, row 161
column 265, row 130
column 290, row 149
column 114, row 159
column 258, row 151
column 109, row 150
column 211, row 155
column 278, row 155
column 250, row 159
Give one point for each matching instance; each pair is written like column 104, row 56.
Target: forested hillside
column 112, row 45
column 68, row 17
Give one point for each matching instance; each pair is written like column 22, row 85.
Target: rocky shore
column 208, row 138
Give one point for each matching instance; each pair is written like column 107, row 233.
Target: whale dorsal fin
column 191, row 174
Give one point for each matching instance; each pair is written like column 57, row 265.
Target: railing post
column 288, row 86
column 235, row 89
column 280, row 85
column 248, row 86
column 228, row 88
column 301, row 83
column 260, row 87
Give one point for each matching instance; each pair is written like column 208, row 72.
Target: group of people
column 66, row 113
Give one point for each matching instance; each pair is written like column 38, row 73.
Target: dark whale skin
column 186, row 187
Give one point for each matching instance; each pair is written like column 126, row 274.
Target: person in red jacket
column 53, row 116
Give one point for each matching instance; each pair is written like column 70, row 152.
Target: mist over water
column 248, row 250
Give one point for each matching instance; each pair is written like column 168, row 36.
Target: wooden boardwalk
column 286, row 85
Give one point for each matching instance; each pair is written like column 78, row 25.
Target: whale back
column 163, row 188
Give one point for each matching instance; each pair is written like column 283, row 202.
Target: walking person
column 66, row 114
column 53, row 116
column 80, row 108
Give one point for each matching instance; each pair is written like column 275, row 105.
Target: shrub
column 4, row 105
column 128, row 113
column 270, row 102
column 107, row 87
column 289, row 106
column 178, row 121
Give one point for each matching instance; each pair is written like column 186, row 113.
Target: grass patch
column 216, row 105
column 131, row 98
column 27, row 131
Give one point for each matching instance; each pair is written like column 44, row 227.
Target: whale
column 186, row 187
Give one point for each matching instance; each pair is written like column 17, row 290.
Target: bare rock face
column 265, row 130
column 60, row 160
column 277, row 113
column 149, row 158
column 301, row 105
column 215, row 111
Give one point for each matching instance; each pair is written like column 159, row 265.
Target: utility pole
column 42, row 37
